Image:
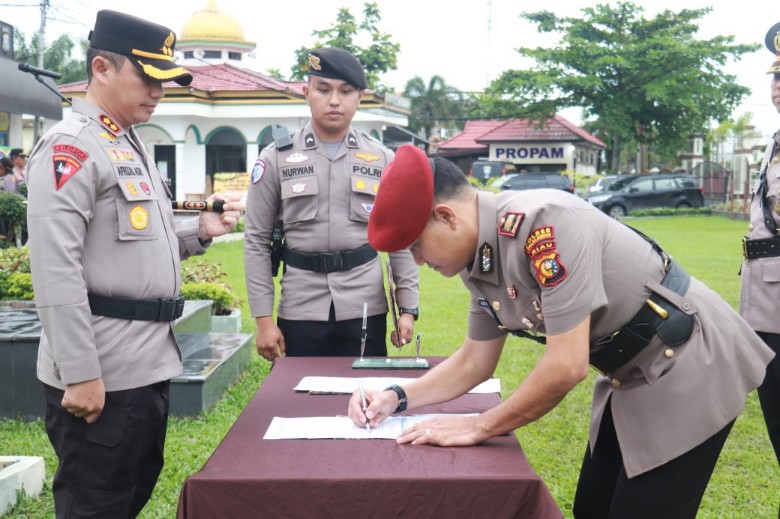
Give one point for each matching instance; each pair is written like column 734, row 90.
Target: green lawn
column 745, row 483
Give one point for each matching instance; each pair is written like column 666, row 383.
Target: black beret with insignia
column 334, row 63
column 772, row 41
column 148, row 46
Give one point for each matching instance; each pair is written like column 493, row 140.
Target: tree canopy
column 377, row 56
column 57, row 57
column 648, row 81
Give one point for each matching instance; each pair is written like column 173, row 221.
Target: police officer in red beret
column 677, row 361
column 761, row 266
column 105, row 251
column 322, row 188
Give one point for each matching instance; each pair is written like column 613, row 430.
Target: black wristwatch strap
column 414, row 312
column 402, row 400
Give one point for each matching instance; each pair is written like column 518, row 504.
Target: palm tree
column 434, row 104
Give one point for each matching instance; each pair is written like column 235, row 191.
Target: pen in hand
column 365, row 407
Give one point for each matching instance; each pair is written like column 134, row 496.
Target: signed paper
column 340, row 427
column 346, row 385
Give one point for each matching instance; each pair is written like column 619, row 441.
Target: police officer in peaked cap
column 106, row 251
column 761, row 252
column 322, row 188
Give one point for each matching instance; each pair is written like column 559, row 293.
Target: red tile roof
column 477, row 135
column 222, row 78
column 467, row 139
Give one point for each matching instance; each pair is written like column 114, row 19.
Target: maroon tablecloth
column 248, row 477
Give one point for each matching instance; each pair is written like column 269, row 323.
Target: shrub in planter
column 19, row 287
column 221, row 295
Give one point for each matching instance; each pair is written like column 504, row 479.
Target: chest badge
column 296, row 158
column 139, row 218
column 367, row 157
column 496, row 306
column 298, row 188
column 511, row 292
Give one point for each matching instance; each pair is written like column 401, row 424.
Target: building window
column 212, row 54
column 234, row 56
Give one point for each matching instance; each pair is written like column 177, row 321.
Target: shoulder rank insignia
column 509, row 223
column 108, row 123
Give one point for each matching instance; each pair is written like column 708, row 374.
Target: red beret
column 404, row 201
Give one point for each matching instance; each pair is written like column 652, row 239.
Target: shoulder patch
column 538, row 236
column 68, row 160
column 258, row 170
column 549, row 269
column 509, row 223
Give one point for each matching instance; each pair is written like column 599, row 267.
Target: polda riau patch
column 549, row 269
column 509, row 223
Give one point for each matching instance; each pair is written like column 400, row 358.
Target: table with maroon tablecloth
column 248, row 477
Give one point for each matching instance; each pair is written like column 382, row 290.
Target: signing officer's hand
column 381, row 404
column 405, row 330
column 85, row 399
column 217, row 224
column 447, row 431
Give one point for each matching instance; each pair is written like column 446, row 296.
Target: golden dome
column 209, row 24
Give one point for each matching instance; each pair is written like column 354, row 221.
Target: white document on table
column 341, row 427
column 346, row 385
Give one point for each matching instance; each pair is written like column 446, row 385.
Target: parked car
column 600, row 184
column 522, row 181
column 486, row 169
column 631, row 192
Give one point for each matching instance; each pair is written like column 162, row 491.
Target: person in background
column 104, row 254
column 677, row 361
column 8, row 181
column 321, row 187
column 761, row 265
column 19, row 159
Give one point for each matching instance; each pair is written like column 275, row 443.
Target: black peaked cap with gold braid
column 772, row 41
column 149, row 46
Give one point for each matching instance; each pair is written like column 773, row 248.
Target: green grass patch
column 745, row 481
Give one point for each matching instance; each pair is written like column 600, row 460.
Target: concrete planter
column 227, row 323
column 19, row 473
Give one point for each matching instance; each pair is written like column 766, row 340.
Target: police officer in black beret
column 760, row 289
column 106, row 252
column 323, row 186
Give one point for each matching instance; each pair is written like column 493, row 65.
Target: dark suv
column 484, row 170
column 521, row 181
column 647, row 192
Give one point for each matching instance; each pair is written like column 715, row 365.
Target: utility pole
column 41, row 51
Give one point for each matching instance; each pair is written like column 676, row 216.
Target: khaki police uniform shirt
column 100, row 221
column 546, row 260
column 325, row 205
column 761, row 276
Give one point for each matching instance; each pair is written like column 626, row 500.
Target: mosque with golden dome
column 217, row 126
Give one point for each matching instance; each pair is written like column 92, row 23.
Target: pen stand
column 390, row 363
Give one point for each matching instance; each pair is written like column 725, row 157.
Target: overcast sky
column 468, row 43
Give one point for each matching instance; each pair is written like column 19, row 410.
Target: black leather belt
column 656, row 317
column 136, row 309
column 329, row 261
column 764, row 248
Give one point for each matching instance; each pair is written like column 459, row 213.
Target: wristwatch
column 414, row 312
column 402, row 400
